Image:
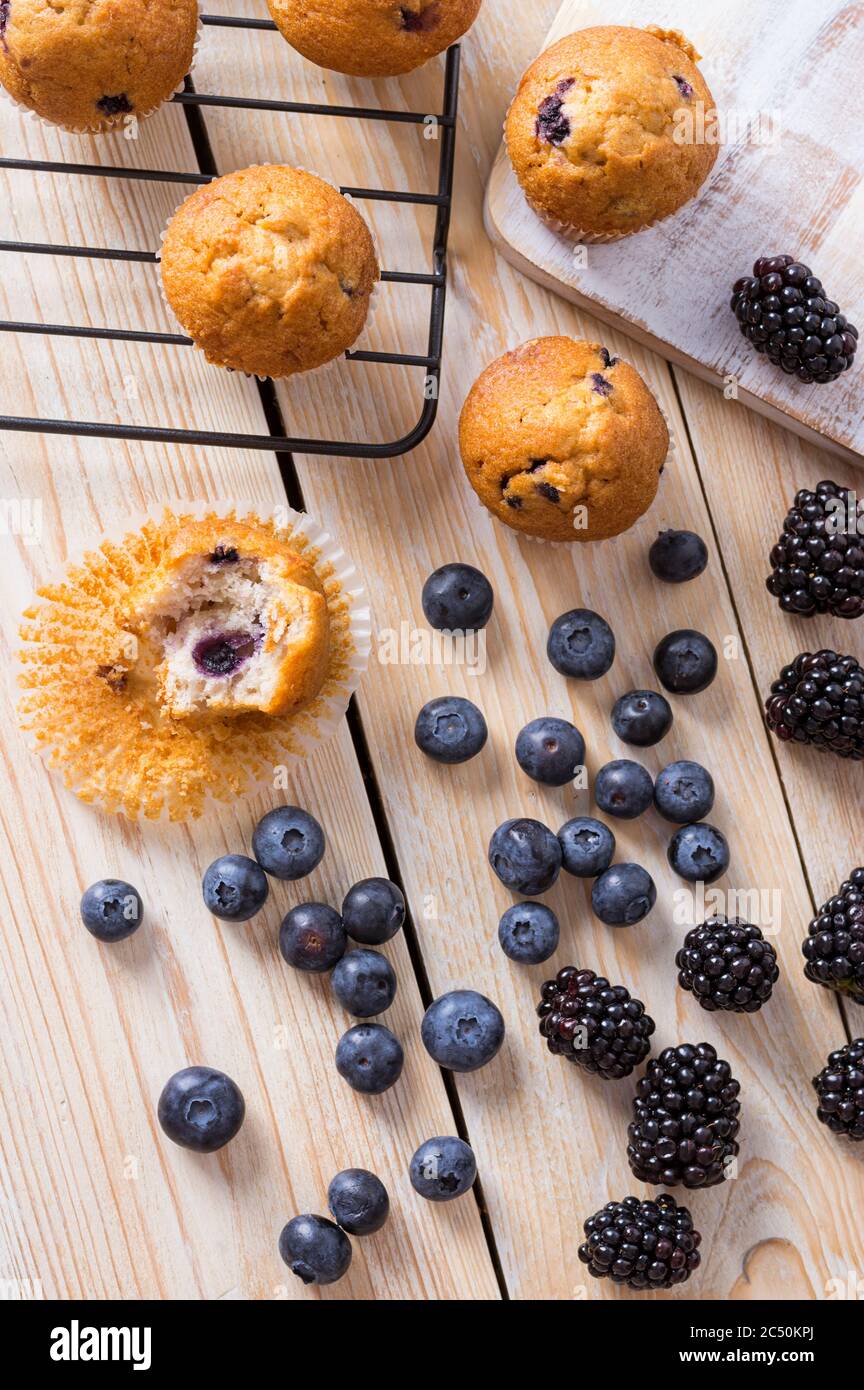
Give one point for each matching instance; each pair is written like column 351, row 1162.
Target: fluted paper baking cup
column 118, row 749
column 118, row 127
column 327, row 368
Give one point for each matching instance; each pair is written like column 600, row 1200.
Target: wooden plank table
column 94, row 1202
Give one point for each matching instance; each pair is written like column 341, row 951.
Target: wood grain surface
column 95, row 1202
column 787, row 179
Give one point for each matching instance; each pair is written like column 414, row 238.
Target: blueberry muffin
column 188, row 659
column 605, row 132
column 562, row 441
column 91, row 64
column 269, row 270
column 234, row 620
column 373, row 38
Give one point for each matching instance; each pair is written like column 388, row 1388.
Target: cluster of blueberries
column 525, row 854
column 202, row 1109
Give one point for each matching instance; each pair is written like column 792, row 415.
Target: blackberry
column 685, row 1118
column 783, row 310
column 819, row 699
column 834, row 944
column 840, row 1090
column 643, row 1244
column 817, row 565
column 595, row 1024
column 728, row 965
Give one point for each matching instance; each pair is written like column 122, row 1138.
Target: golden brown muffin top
column 94, row 63
column 373, row 38
column 269, row 270
column 563, row 441
column 600, row 133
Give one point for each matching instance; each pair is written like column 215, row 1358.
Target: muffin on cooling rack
column 93, row 64
column 607, row 131
column 269, row 270
column 562, row 441
column 189, row 658
column 373, row 38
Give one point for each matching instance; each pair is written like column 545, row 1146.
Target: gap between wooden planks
column 550, row 1142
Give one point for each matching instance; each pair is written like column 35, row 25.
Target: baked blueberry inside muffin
column 230, row 628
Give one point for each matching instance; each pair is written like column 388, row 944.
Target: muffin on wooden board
column 269, row 270
column 91, row 64
column 373, row 38
column 606, row 131
column 562, row 441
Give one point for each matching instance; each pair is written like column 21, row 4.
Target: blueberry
column 581, row 644
column 525, row 855
column 685, row 661
column 364, row 982
column 369, row 1058
column 443, row 1168
column 224, row 555
column 315, row 1249
column 419, row 21
column 550, row 751
column 623, row 895
column 684, row 792
column 699, row 853
column 552, row 125
column 624, row 789
column 457, row 598
column 587, row 846
column 223, row 653
column 358, row 1201
column 450, row 729
column 312, row 937
column 677, row 556
column 115, row 105
column 288, row 843
column 201, row 1109
column 235, row 888
column 111, row 909
column 528, row 933
column 641, row 717
column 373, row 911
column 462, row 1030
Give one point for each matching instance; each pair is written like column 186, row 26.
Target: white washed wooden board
column 781, row 60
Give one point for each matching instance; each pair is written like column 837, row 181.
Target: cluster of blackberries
column 644, row 1244
column 817, row 563
column 594, row 1024
column 685, row 1119
column 784, row 311
column 728, row 965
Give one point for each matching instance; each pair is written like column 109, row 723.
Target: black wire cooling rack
column 277, row 442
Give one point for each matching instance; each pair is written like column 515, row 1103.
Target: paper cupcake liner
column 118, row 127
column 671, row 455
column 326, row 369
column 144, row 766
